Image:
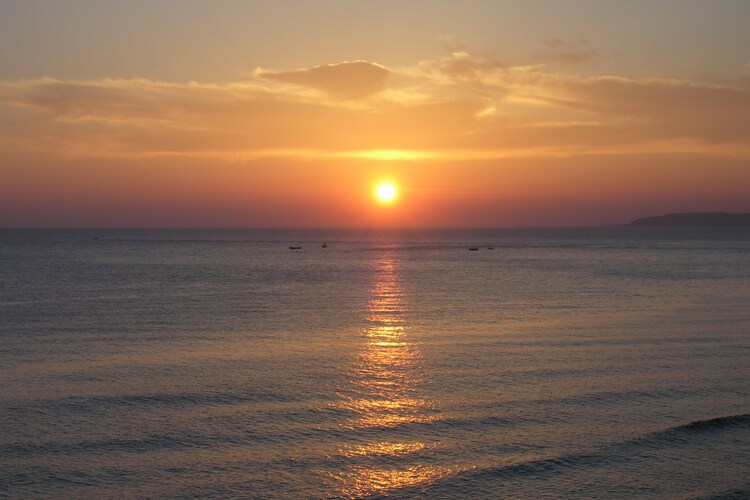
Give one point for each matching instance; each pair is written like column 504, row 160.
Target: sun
column 386, row 192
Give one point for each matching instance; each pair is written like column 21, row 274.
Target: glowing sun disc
column 386, row 192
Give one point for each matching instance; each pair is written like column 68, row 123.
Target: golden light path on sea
column 384, row 377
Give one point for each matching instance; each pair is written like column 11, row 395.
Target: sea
column 609, row 362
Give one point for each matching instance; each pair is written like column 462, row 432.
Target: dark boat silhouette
column 473, row 249
column 295, row 248
column 325, row 245
column 490, row 248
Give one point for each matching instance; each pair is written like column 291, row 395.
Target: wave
column 94, row 404
column 307, row 425
column 711, row 424
column 631, row 450
column 742, row 493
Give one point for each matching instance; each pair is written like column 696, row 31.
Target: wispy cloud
column 141, row 116
column 639, row 108
column 461, row 66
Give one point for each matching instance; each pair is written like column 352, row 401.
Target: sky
column 291, row 113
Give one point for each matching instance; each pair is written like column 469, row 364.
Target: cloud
column 476, row 106
column 345, row 80
column 561, row 51
column 573, row 56
column 558, row 43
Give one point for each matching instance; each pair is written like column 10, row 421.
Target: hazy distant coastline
column 698, row 219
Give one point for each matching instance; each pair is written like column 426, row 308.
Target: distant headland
column 699, row 219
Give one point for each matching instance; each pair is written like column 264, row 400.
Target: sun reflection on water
column 383, row 397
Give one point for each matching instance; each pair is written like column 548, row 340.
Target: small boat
column 473, row 249
column 325, row 245
column 490, row 248
column 295, row 248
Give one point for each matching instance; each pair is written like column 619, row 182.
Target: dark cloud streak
column 346, row 80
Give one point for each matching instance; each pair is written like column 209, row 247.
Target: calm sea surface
column 565, row 363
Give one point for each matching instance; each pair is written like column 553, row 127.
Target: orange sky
column 557, row 134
